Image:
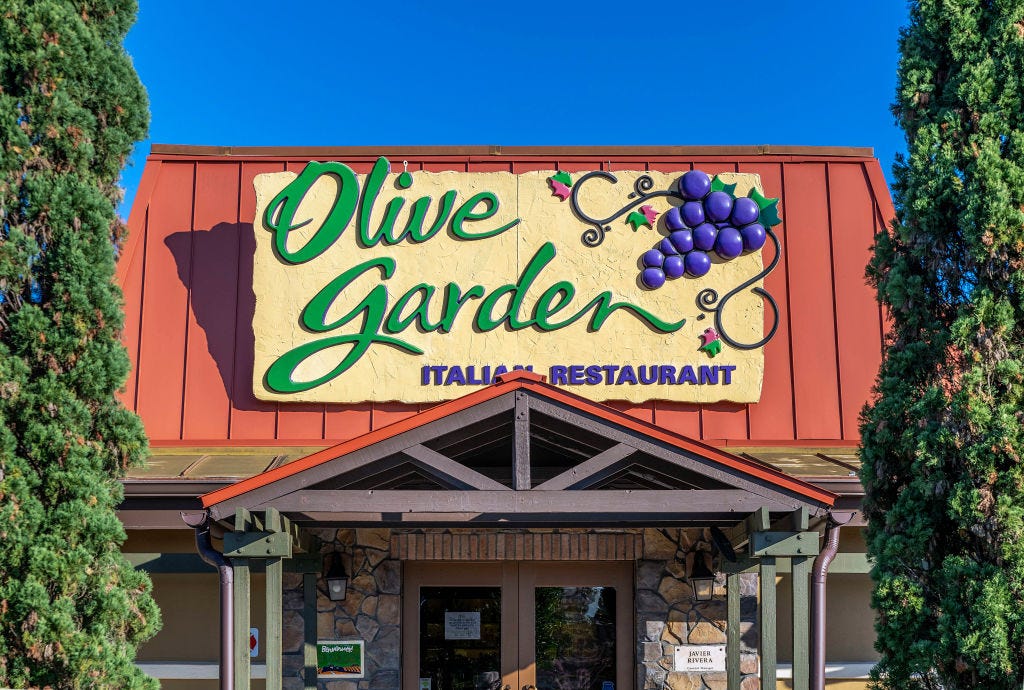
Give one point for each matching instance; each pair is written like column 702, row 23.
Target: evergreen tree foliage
column 942, row 442
column 72, row 610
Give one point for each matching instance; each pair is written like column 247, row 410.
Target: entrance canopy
column 521, row 452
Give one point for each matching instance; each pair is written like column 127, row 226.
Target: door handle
column 529, row 687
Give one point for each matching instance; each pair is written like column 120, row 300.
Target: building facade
column 522, row 399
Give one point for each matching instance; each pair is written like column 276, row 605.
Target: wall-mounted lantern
column 336, row 579
column 700, row 561
column 702, row 578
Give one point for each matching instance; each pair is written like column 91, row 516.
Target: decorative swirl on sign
column 707, row 300
column 594, row 236
column 644, row 184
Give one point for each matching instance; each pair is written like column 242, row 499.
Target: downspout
column 204, row 545
column 818, row 574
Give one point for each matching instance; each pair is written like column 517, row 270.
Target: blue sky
column 517, row 73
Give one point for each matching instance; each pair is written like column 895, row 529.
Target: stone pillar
column 371, row 610
column 667, row 617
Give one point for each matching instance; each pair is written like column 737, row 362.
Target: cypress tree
column 941, row 444
column 72, row 610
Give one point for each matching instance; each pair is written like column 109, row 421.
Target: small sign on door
column 254, row 642
column 697, row 658
column 462, row 625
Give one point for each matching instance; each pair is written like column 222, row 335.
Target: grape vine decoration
column 710, row 220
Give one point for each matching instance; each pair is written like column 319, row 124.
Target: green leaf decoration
column 563, row 177
column 718, row 186
column 769, row 208
column 636, row 219
column 770, row 215
column 760, row 199
column 712, row 348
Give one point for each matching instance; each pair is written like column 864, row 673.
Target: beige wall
column 849, row 627
column 190, row 606
column 849, row 623
column 851, row 540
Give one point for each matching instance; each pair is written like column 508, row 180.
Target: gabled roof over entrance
column 520, row 451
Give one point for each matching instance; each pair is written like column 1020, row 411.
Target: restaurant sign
column 415, row 286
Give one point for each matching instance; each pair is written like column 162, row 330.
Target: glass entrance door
column 455, row 626
column 576, row 626
column 518, row 626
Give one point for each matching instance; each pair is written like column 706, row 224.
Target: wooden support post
column 277, row 525
column 240, row 596
column 732, row 631
column 768, row 604
column 801, row 567
column 272, row 644
column 521, row 444
column 309, row 625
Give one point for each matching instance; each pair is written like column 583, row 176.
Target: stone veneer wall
column 666, row 615
column 371, row 610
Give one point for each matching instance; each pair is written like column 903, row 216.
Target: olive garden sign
column 414, row 286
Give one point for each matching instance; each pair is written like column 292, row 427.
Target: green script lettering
column 374, row 182
column 465, row 212
column 414, row 228
column 280, row 214
column 280, row 375
column 396, row 323
column 377, row 317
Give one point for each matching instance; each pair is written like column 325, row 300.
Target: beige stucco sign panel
column 625, row 358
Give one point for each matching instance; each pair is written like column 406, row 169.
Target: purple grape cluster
column 706, row 222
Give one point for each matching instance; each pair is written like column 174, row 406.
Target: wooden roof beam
column 361, row 457
column 624, row 503
column 521, row 443
column 651, row 446
column 739, row 536
column 448, row 471
column 589, row 472
column 796, row 521
column 246, row 521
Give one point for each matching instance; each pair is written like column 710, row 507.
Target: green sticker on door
column 339, row 659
